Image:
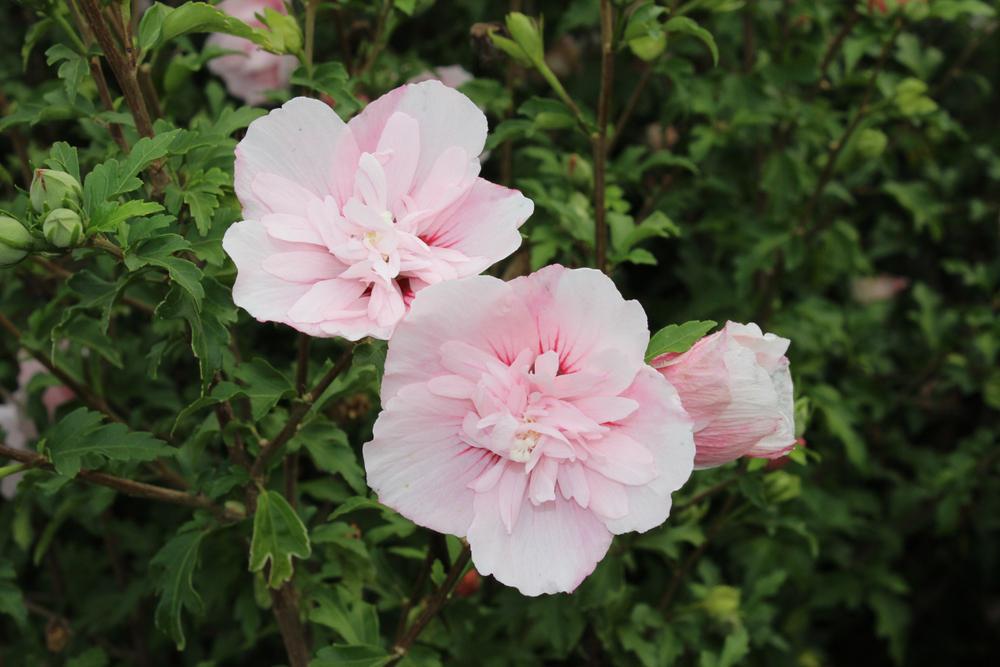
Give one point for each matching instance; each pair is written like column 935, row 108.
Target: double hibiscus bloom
column 519, row 415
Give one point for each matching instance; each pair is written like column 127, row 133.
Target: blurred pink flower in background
column 452, row 76
column 252, row 72
column 877, row 288
column 521, row 416
column 737, row 388
column 345, row 223
column 15, row 423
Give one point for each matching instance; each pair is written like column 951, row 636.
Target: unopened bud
column 722, row 603
column 15, row 241
column 469, row 583
column 52, row 189
column 63, row 228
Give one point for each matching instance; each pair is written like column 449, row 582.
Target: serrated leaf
column 355, row 504
column 677, row 337
column 340, row 655
column 265, row 385
column 278, row 536
column 355, row 620
column 159, row 251
column 107, row 218
column 64, row 157
column 178, row 558
column 80, row 438
column 330, row 450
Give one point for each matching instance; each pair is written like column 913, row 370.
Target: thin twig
column 710, row 491
column 97, row 74
column 629, row 109
column 90, row 399
column 298, row 413
column 311, row 7
column 302, row 365
column 838, row 146
column 436, row 601
column 693, row 558
column 838, row 40
column 128, row 486
column 418, row 585
column 600, row 139
column 378, row 37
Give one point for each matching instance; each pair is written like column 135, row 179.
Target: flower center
column 523, row 445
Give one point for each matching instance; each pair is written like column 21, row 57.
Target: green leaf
column 108, row 218
column 11, row 598
column 159, row 251
column 208, row 323
column 686, row 26
column 677, row 338
column 265, row 386
column 355, row 620
column 178, row 559
column 330, row 450
column 278, row 536
column 64, row 157
column 144, row 152
column 340, row 655
column 203, row 17
column 355, row 504
column 151, row 25
column 79, row 438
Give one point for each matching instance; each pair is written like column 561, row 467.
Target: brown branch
column 128, row 487
column 418, row 585
column 20, row 145
column 97, row 74
column 630, row 105
column 302, row 365
column 838, row 40
column 600, row 139
column 436, row 601
column 710, row 491
column 90, row 399
column 803, row 227
column 285, row 605
column 378, row 38
column 298, row 413
column 125, row 73
column 693, row 558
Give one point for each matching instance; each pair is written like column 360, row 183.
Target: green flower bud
column 871, row 143
column 63, row 228
column 15, row 241
column 527, row 33
column 722, row 603
column 51, row 189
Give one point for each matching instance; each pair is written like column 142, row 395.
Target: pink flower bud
column 736, row 386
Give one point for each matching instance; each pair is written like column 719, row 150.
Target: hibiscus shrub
column 411, row 332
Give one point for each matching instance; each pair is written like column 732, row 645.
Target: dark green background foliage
column 832, row 142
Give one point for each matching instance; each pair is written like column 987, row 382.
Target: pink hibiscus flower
column 453, row 76
column 16, row 424
column 521, row 416
column 251, row 72
column 344, row 223
column 736, row 386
